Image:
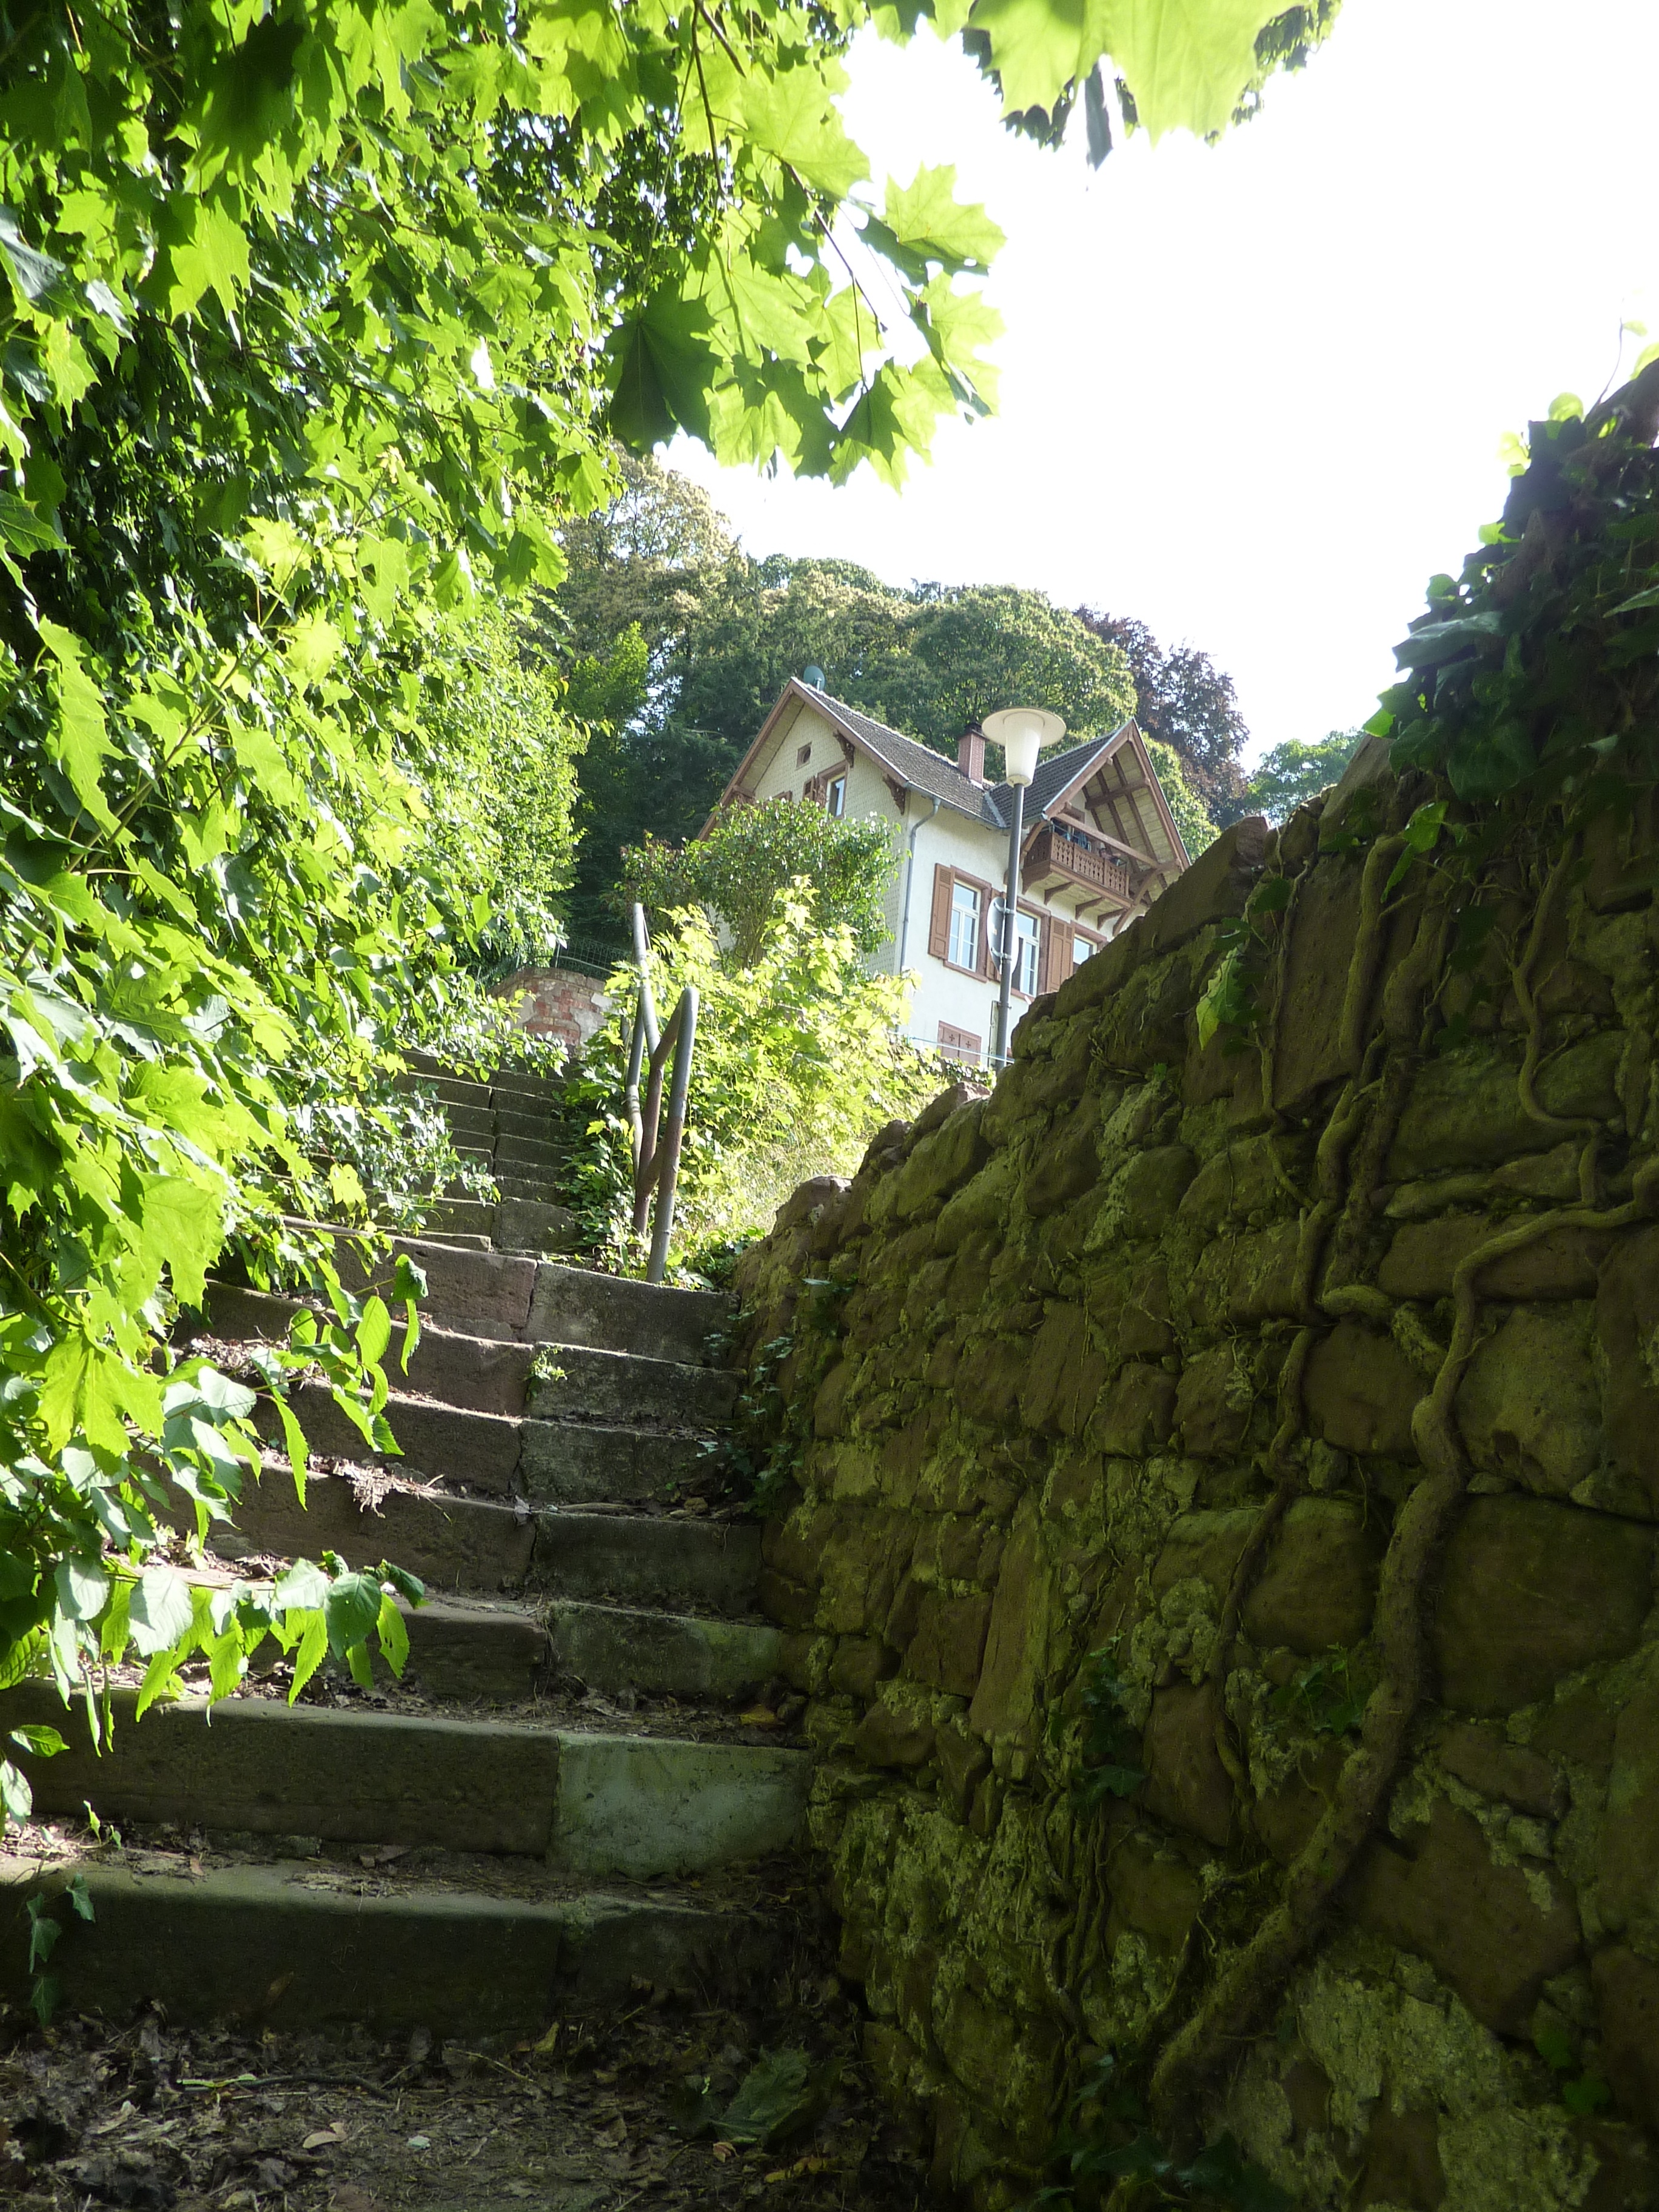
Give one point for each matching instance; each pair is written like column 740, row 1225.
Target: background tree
column 1292, row 772
column 1185, row 702
column 723, row 633
column 752, row 854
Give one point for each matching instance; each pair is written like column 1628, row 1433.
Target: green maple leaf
column 79, row 738
column 792, row 116
column 1187, row 62
column 923, row 224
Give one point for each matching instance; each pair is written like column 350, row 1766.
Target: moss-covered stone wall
column 1217, row 1539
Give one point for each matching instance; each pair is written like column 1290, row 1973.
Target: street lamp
column 1022, row 731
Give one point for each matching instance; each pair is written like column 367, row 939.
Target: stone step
column 504, row 1454
column 576, row 1382
column 516, row 1117
column 450, row 1089
column 528, row 1155
column 539, row 1190
column 516, row 1082
column 477, row 1654
column 613, row 1648
column 475, row 1546
column 705, row 1565
column 638, row 1806
column 476, row 1124
column 527, row 1224
column 612, row 1313
column 507, row 1295
column 288, row 1947
column 487, row 1374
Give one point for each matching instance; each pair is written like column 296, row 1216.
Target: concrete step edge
column 264, row 1946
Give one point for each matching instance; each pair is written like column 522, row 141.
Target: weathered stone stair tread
column 509, row 1294
column 591, row 1801
column 279, row 1945
column 474, row 1544
column 615, row 1647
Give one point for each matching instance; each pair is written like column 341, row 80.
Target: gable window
column 964, row 926
column 803, row 756
column 835, row 797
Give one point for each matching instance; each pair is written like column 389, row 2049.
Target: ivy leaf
column 79, row 738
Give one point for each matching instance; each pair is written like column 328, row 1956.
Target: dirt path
column 595, row 2119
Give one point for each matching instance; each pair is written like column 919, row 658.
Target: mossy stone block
column 1532, row 1589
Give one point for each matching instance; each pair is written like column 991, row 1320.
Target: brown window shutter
column 989, row 896
column 939, row 930
column 1045, row 938
column 1062, row 943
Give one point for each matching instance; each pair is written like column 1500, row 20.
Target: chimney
column 970, row 754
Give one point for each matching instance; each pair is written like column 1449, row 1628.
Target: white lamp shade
column 1023, row 732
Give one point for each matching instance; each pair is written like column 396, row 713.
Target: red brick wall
column 556, row 1002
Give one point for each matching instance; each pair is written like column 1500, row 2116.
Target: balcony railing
column 1054, row 853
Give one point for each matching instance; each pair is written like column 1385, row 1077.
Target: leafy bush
column 798, row 1062
column 494, row 743
column 750, row 853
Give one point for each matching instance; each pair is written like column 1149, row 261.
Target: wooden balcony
column 1053, row 857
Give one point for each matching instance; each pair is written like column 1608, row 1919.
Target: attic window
column 803, row 755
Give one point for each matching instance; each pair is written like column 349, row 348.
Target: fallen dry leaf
column 333, row 2133
column 802, row 2166
column 723, row 2151
column 759, row 1717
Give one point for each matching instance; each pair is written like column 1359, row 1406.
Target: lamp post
column 1022, row 731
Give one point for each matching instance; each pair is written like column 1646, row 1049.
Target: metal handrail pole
column 631, row 1089
column 644, row 1173
column 685, row 1020
column 642, row 962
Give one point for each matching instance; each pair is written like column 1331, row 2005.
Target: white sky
column 1254, row 393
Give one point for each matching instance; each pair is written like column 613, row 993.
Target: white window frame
column 835, row 797
column 1028, row 952
column 962, row 917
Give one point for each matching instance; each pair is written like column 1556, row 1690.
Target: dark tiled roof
column 925, row 770
column 917, row 765
column 1056, row 772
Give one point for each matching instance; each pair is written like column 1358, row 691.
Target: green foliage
column 1108, row 2140
column 751, row 854
column 494, row 739
column 724, row 633
column 800, row 1060
column 1533, row 674
column 1108, row 1758
column 315, row 320
column 1184, row 702
column 1197, row 830
column 1294, row 772
column 1188, row 66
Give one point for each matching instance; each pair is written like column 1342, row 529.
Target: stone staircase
column 505, row 1125
column 573, row 1792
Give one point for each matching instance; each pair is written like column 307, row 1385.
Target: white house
column 1099, row 844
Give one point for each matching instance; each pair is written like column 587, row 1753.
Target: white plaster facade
column 1099, row 843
